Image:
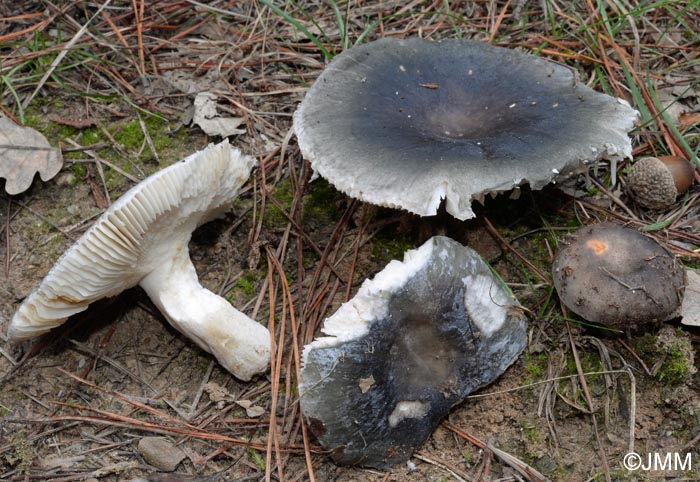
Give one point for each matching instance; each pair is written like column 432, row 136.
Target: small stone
column 160, row 453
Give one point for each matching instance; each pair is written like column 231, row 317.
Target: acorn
column 655, row 182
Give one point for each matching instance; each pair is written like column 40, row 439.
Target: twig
column 522, row 258
column 443, row 466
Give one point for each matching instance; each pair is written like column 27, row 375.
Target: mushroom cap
column 616, row 276
column 413, row 342
column 656, row 182
column 136, row 234
column 406, row 123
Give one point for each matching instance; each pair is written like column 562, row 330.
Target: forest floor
column 114, row 88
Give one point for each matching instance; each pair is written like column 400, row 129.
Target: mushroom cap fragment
column 616, row 276
column 413, row 342
column 407, row 123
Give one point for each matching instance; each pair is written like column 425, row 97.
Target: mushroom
column 618, row 277
column 656, row 182
column 143, row 239
column 407, row 123
column 413, row 342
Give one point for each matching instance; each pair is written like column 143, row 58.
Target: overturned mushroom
column 616, row 276
column 407, row 123
column 413, row 342
column 143, row 239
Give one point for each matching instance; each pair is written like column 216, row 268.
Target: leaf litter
column 259, row 72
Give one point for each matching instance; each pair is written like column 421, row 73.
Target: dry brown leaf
column 688, row 119
column 253, row 411
column 217, row 393
column 24, row 152
column 207, row 117
column 78, row 123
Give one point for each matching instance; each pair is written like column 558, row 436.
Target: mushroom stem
column 241, row 345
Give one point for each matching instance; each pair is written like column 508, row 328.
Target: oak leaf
column 24, row 152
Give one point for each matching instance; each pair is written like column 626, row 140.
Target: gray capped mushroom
column 413, row 342
column 142, row 239
column 616, row 276
column 408, row 123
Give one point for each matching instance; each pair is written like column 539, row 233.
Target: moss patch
column 672, row 353
column 320, row 202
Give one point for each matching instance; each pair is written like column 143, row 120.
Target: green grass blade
column 20, row 110
column 298, row 26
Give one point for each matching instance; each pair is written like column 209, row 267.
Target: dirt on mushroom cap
column 614, row 275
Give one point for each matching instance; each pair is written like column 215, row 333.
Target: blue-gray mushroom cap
column 408, row 123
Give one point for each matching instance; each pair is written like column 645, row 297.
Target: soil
column 139, row 377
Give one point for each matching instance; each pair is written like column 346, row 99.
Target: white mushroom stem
column 240, row 344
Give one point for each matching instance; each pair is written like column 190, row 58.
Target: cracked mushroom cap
column 618, row 277
column 655, row 182
column 143, row 239
column 407, row 123
column 413, row 342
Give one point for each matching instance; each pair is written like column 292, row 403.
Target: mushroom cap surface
column 407, row 123
column 616, row 276
column 134, row 235
column 413, row 342
column 656, row 182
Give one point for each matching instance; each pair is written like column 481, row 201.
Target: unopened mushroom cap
column 616, row 276
column 414, row 341
column 407, row 123
column 135, row 235
column 656, row 182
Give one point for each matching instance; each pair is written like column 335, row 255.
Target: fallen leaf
column 253, row 411
column 97, row 192
column 217, row 393
column 79, row 123
column 688, row 119
column 24, row 152
column 207, row 117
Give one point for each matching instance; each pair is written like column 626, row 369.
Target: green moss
column 320, row 202
column 284, row 195
column 246, row 283
column 165, row 140
column 257, row 459
column 389, row 244
column 20, row 453
column 130, row 136
column 673, row 354
column 590, row 362
column 534, row 366
column 469, row 458
column 674, row 369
